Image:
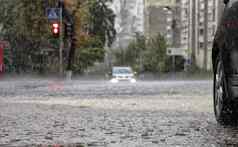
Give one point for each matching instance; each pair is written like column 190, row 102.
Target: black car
column 225, row 65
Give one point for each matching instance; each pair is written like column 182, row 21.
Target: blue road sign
column 53, row 13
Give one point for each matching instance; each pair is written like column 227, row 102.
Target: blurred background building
column 187, row 24
column 129, row 20
column 159, row 18
column 205, row 29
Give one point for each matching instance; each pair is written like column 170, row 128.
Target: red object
column 55, row 29
column 1, row 59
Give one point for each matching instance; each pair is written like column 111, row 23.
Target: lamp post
column 205, row 35
column 173, row 24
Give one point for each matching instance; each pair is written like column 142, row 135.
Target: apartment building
column 212, row 22
column 159, row 18
column 193, row 32
column 129, row 20
column 183, row 23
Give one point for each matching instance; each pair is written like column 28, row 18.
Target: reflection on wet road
column 97, row 113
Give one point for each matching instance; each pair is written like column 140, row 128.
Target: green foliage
column 102, row 20
column 179, row 64
column 144, row 55
column 8, row 61
column 120, row 57
column 26, row 28
column 87, row 55
column 133, row 55
column 100, row 31
column 19, row 20
column 94, row 27
column 155, row 55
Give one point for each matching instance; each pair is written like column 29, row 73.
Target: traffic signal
column 69, row 30
column 56, row 29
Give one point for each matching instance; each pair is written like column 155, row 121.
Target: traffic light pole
column 61, row 44
column 71, row 52
column 205, row 36
column 64, row 15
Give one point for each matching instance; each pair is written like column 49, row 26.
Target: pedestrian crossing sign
column 53, row 13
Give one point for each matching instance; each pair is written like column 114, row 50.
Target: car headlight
column 133, row 80
column 114, row 80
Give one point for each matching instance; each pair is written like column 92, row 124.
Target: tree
column 144, row 55
column 88, row 54
column 133, row 55
column 26, row 31
column 102, row 21
column 29, row 32
column 94, row 22
column 155, row 55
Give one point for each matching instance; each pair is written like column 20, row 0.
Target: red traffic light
column 55, row 29
column 55, row 25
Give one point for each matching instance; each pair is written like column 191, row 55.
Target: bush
column 179, row 64
column 155, row 54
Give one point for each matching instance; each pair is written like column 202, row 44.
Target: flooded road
column 98, row 113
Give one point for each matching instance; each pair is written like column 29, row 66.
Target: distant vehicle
column 225, row 65
column 122, row 74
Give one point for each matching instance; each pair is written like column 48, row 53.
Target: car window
column 122, row 71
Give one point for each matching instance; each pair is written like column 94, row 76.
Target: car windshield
column 122, row 71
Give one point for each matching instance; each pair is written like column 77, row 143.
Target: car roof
column 120, row 67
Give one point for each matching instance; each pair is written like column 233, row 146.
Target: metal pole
column 205, row 36
column 194, row 27
column 61, row 43
column 174, row 66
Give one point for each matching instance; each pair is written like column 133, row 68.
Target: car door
column 219, row 39
column 231, row 41
column 227, row 37
column 231, row 24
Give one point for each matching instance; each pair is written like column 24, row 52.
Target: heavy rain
column 118, row 73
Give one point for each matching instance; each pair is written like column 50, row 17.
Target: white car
column 122, row 74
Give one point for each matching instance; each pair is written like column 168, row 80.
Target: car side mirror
column 226, row 1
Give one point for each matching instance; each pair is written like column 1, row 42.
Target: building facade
column 198, row 27
column 159, row 19
column 185, row 25
column 212, row 23
column 129, row 20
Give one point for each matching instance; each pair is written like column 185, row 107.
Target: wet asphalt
column 40, row 112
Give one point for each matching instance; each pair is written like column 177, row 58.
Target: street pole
column 205, row 35
column 194, row 27
column 61, row 43
column 174, row 63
